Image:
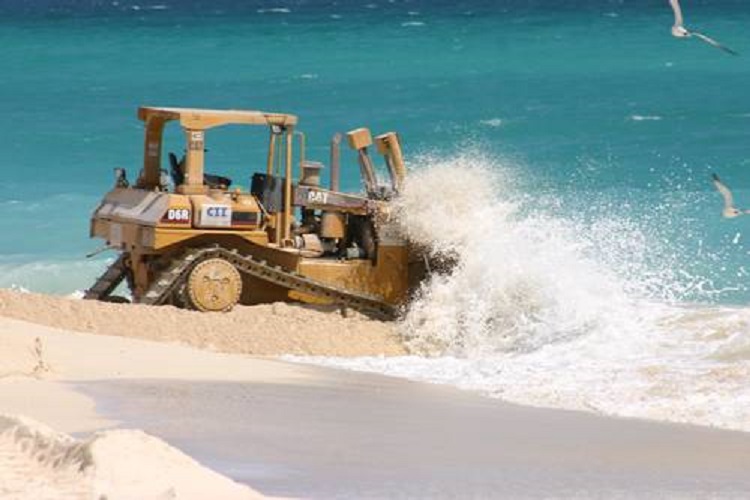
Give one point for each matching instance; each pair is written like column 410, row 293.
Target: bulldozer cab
column 187, row 173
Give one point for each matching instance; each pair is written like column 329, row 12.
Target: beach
column 40, row 367
column 293, row 430
column 585, row 332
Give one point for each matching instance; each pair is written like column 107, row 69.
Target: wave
column 561, row 311
column 645, row 118
column 274, row 10
column 63, row 276
column 492, row 122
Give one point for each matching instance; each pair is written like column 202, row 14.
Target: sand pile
column 271, row 329
column 38, row 462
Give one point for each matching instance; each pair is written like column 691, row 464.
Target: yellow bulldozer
column 197, row 240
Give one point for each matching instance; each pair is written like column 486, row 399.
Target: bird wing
column 725, row 192
column 678, row 21
column 713, row 43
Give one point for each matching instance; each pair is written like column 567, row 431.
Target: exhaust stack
column 360, row 139
column 336, row 162
column 389, row 146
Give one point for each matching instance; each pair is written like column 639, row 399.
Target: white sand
column 35, row 360
column 66, row 355
column 37, row 462
column 38, row 366
column 41, row 361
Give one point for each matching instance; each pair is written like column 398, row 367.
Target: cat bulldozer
column 197, row 240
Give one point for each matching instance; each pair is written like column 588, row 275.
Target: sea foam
column 551, row 311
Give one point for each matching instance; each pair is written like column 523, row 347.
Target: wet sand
column 348, row 435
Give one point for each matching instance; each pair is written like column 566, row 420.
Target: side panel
column 322, row 199
column 147, row 208
column 387, row 278
column 157, row 239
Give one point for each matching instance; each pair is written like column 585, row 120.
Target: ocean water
column 568, row 147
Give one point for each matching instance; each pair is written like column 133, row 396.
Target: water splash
column 582, row 309
column 524, row 280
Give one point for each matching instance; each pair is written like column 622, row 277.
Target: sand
column 263, row 330
column 365, row 436
column 41, row 362
column 37, row 462
column 38, row 368
column 296, row 430
column 36, row 361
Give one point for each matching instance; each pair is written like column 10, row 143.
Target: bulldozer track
column 171, row 278
column 108, row 281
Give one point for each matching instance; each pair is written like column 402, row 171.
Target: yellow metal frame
column 195, row 122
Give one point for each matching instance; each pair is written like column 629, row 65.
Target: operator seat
column 216, row 181
column 177, row 172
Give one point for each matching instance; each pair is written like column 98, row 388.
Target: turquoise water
column 591, row 108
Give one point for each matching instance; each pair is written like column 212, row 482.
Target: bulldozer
column 197, row 240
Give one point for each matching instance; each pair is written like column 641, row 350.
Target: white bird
column 730, row 211
column 679, row 30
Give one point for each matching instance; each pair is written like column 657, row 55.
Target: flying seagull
column 730, row 211
column 679, row 30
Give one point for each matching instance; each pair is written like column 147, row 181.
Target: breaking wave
column 563, row 310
